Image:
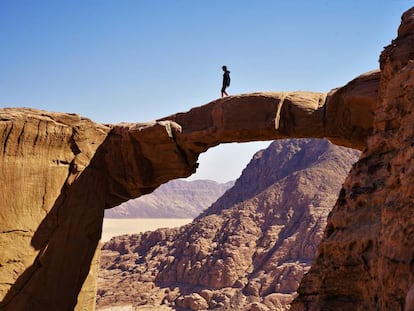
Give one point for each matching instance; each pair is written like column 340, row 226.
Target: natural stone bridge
column 60, row 171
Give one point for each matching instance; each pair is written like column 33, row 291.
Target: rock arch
column 60, row 171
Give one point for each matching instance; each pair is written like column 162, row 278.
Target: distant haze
column 175, row 199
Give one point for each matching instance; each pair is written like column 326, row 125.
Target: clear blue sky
column 136, row 60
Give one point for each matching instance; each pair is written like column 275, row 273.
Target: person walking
column 226, row 81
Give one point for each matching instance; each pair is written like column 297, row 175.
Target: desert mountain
column 175, row 199
column 249, row 250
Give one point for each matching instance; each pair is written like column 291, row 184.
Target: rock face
column 42, row 154
column 60, row 171
column 251, row 247
column 366, row 259
column 175, row 199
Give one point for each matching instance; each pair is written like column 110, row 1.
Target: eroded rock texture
column 249, row 250
column 42, row 154
column 366, row 258
column 60, row 171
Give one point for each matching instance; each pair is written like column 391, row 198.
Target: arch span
column 69, row 169
column 344, row 116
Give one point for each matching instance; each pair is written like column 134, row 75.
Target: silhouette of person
column 226, row 81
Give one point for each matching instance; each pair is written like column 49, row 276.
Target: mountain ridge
column 175, row 199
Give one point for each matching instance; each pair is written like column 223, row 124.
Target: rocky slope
column 366, row 259
column 248, row 251
column 175, row 199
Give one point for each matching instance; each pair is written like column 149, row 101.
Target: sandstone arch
column 60, row 171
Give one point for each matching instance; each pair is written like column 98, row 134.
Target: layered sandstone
column 251, row 248
column 366, row 259
column 42, row 154
column 60, row 171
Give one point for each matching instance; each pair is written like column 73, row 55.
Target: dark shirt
column 226, row 79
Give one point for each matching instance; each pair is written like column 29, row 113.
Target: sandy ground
column 130, row 308
column 113, row 227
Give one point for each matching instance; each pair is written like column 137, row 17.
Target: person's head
column 224, row 68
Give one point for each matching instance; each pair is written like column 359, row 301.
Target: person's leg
column 223, row 92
